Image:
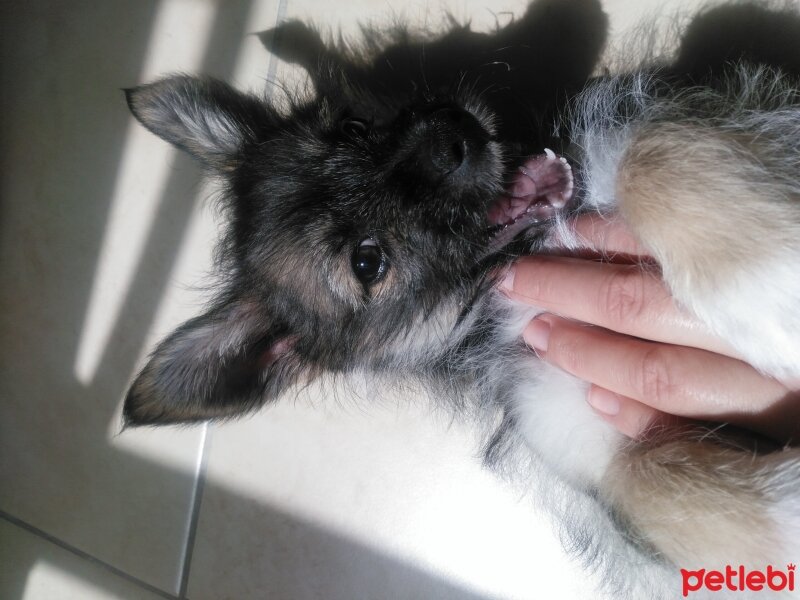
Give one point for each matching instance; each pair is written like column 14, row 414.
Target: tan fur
column 710, row 204
column 699, row 502
column 701, row 200
column 319, row 279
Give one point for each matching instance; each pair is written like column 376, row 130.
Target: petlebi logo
column 739, row 579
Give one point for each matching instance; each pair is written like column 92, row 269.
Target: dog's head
column 360, row 226
column 352, row 229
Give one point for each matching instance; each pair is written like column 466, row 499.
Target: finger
column 608, row 236
column 676, row 380
column 622, row 298
column 630, row 417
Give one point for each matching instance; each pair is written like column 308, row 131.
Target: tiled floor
column 104, row 240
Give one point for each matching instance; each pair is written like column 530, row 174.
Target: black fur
column 406, row 143
column 437, row 126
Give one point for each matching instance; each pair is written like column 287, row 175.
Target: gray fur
column 304, row 189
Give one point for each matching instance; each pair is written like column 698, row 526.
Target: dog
column 370, row 219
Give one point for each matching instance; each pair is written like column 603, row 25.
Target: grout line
column 194, row 512
column 200, row 476
column 85, row 555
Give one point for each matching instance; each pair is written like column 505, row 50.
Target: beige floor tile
column 102, row 237
column 32, row 568
column 335, row 19
column 322, row 502
column 304, row 502
column 100, row 243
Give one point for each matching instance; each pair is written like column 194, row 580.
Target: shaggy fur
column 367, row 223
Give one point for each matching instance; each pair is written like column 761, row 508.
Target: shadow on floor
column 60, row 167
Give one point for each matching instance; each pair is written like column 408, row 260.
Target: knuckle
column 622, row 295
column 534, row 279
column 567, row 351
column 657, row 378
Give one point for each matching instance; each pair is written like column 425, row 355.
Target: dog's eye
column 369, row 262
column 355, row 127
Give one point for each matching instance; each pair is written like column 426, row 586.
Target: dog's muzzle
column 449, row 139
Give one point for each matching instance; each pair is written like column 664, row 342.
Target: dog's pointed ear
column 206, row 117
column 224, row 363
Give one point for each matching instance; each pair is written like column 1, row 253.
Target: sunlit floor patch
column 145, row 166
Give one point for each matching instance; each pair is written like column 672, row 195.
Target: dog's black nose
column 450, row 136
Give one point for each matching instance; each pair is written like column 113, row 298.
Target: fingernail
column 537, row 335
column 603, row 401
column 507, row 285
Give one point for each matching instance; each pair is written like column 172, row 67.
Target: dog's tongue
column 540, row 187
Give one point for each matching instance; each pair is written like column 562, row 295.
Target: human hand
column 616, row 326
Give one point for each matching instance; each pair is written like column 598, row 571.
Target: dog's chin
column 540, row 188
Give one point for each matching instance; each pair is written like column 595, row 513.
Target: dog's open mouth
column 539, row 188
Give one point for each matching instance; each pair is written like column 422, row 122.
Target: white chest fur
column 554, row 418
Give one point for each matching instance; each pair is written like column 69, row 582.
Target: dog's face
column 364, row 219
column 357, row 229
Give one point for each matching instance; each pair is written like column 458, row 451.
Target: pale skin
column 614, row 324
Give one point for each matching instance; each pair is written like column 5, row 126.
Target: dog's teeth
column 549, row 153
column 563, row 160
